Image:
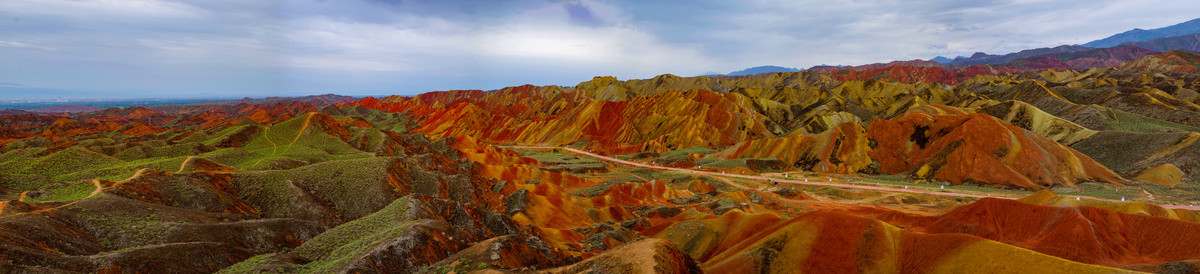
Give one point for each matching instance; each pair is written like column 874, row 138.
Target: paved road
column 754, row 177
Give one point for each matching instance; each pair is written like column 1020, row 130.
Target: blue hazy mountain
column 1138, row 35
column 762, row 69
column 942, row 59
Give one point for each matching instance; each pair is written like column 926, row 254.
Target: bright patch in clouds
column 547, row 35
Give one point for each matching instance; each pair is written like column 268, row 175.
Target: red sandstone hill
column 1081, row 60
column 915, row 74
column 910, row 63
column 315, row 100
column 946, row 144
column 981, row 149
column 1177, row 61
column 1083, row 234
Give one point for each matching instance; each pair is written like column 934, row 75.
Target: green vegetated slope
column 97, row 201
column 306, row 139
column 336, row 247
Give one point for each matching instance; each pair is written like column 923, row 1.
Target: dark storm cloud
column 581, row 15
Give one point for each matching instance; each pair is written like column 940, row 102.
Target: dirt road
column 799, row 182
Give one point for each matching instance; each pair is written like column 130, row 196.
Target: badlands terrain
column 1082, row 165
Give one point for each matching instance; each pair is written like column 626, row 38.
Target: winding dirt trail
column 95, row 182
column 307, row 121
column 185, row 162
column 98, row 189
column 275, row 147
column 817, row 183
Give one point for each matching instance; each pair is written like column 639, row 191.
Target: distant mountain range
column 66, row 109
column 14, row 111
column 762, row 69
column 980, row 58
column 1138, row 35
column 316, row 100
column 1114, row 50
column 1081, row 60
column 53, row 110
column 911, row 63
column 943, row 59
column 1190, row 42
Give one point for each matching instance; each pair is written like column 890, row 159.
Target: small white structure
column 1122, row 198
column 905, row 187
column 1076, row 198
column 943, row 187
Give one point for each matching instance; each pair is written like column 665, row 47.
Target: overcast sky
column 223, row 48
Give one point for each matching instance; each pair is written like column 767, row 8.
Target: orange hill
column 981, row 149
column 804, row 129
column 1084, row 234
column 1175, row 60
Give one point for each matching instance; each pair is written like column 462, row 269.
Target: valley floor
column 771, row 181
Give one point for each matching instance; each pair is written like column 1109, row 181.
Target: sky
column 238, row 48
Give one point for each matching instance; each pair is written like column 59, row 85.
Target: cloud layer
column 162, row 48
